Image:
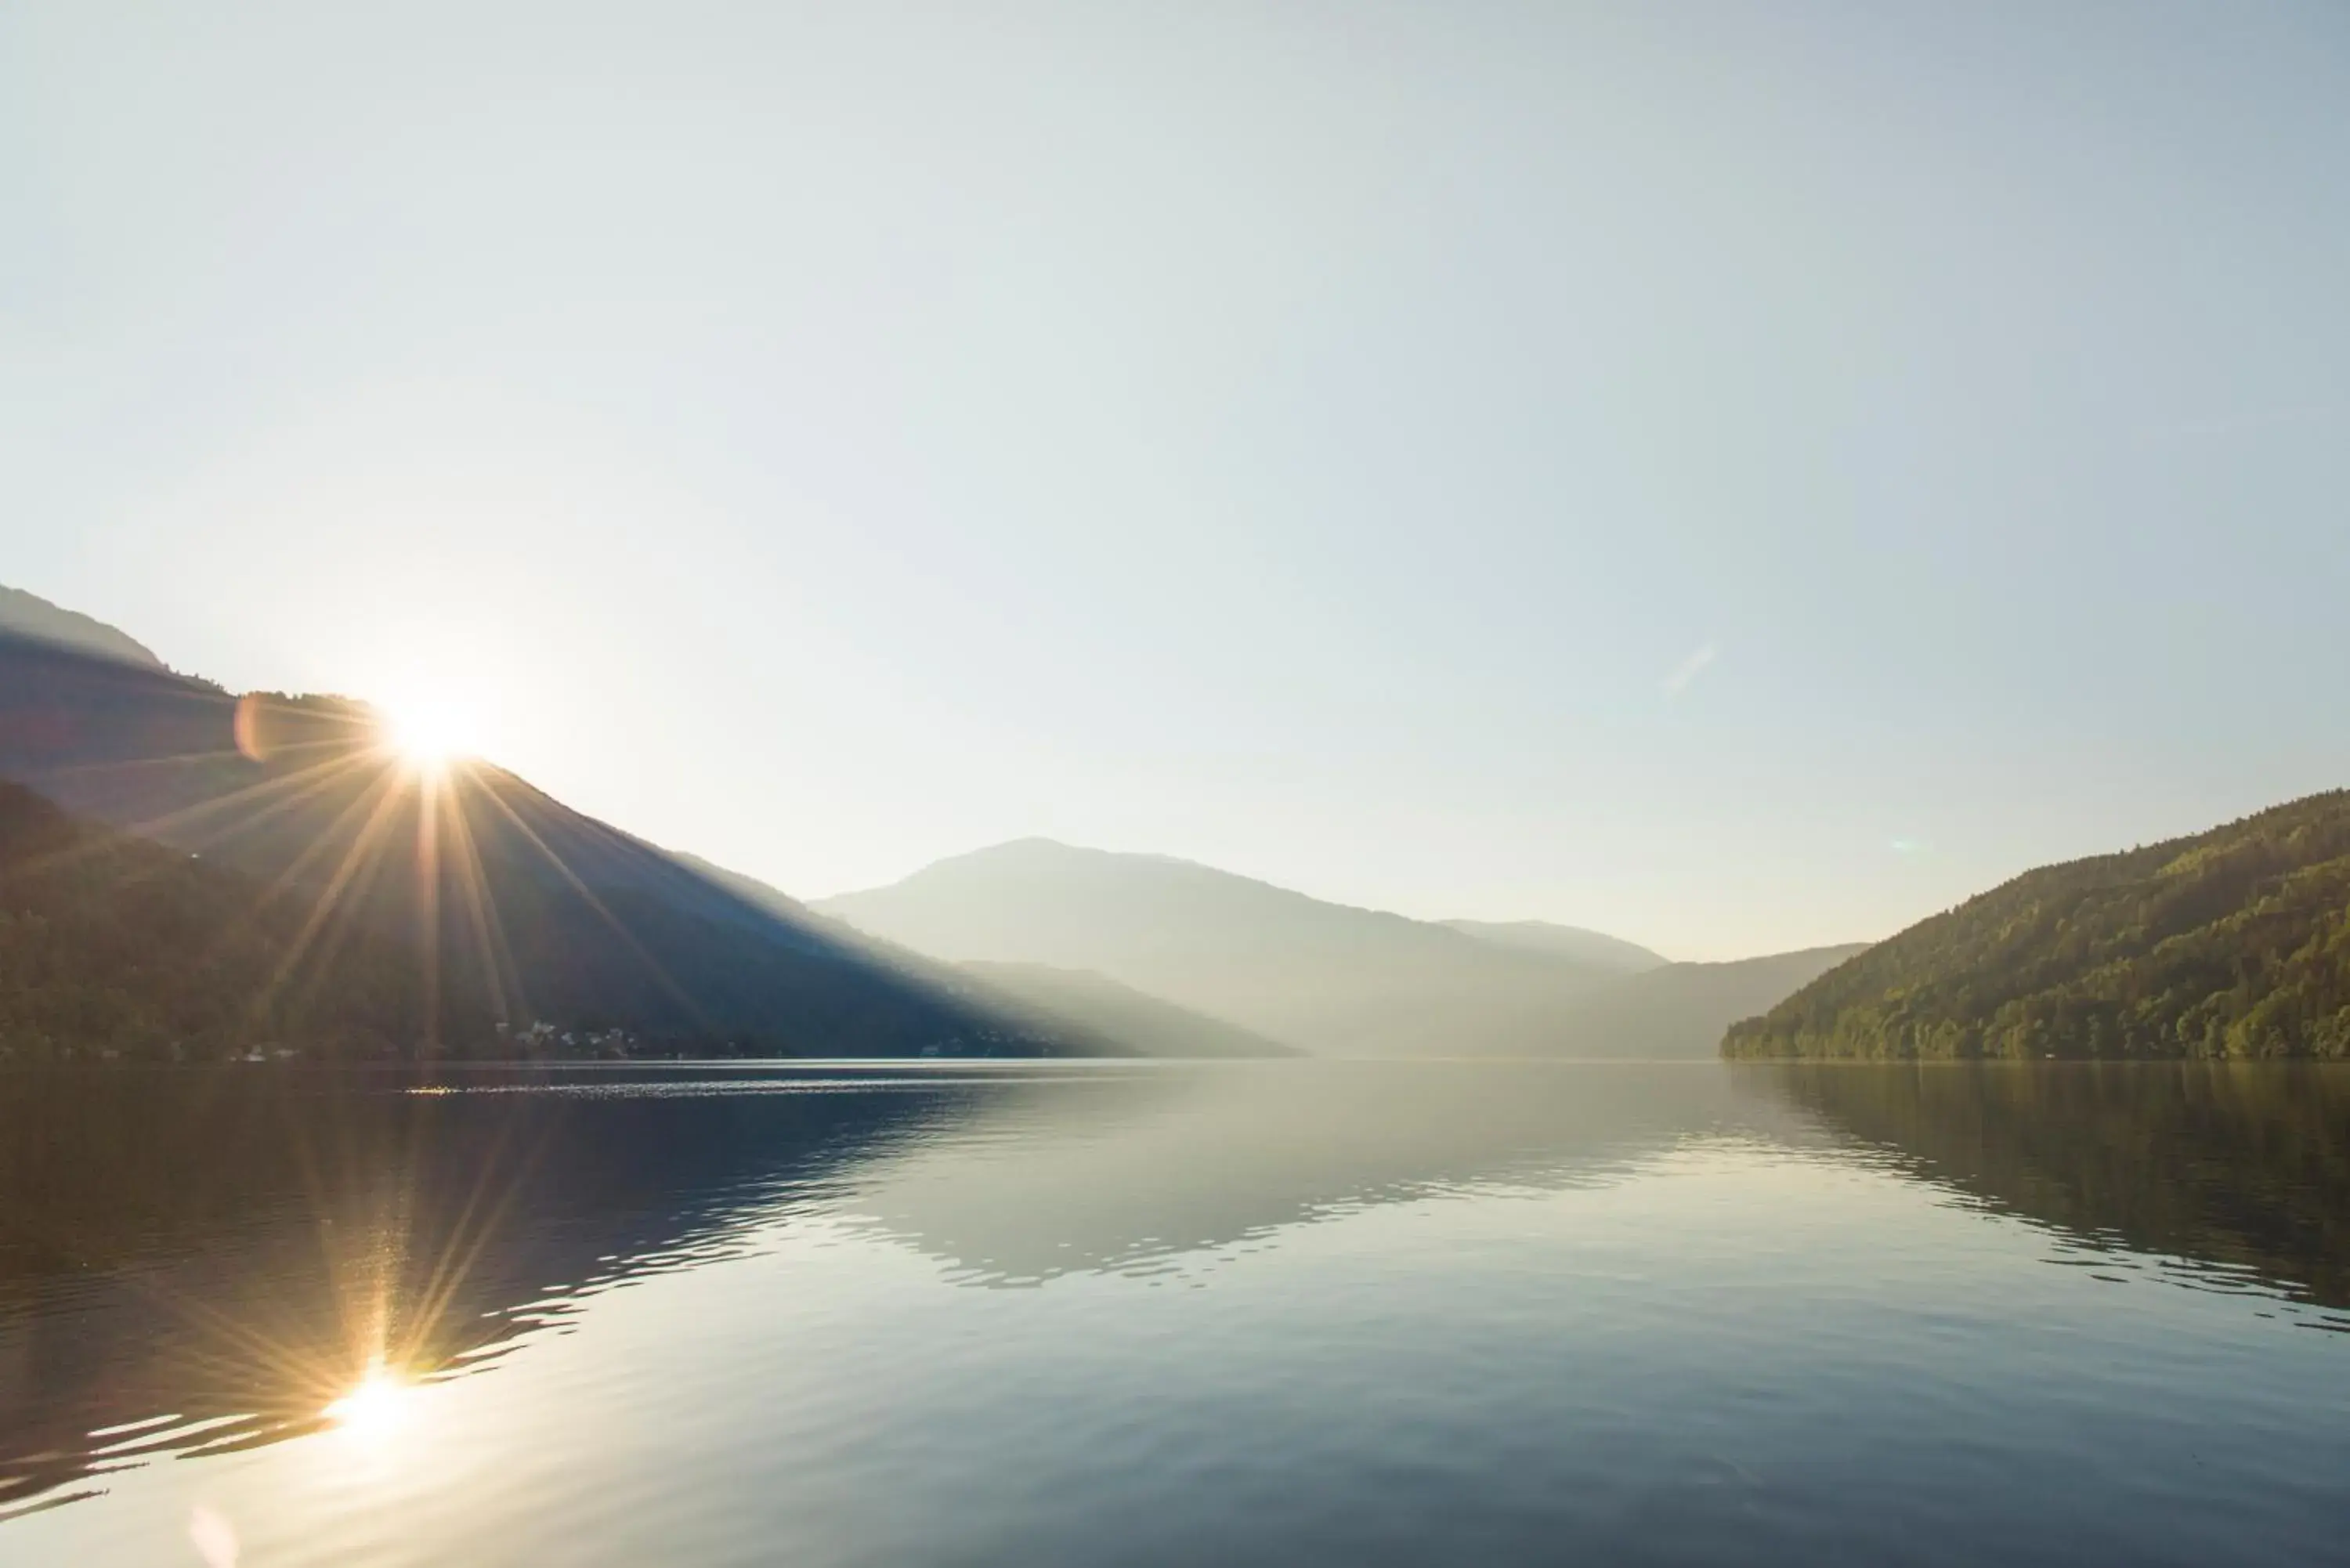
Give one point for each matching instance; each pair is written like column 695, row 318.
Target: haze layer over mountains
column 518, row 910
column 1326, row 978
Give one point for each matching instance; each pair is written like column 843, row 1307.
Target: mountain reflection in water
column 2212, row 1175
column 202, row 1263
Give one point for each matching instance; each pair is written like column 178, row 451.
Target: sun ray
column 430, row 788
column 322, row 843
column 189, row 759
column 365, row 844
column 146, row 829
column 659, row 973
column 470, row 1235
column 319, row 772
column 481, row 903
column 287, row 877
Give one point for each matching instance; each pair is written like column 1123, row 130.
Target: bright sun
column 429, row 732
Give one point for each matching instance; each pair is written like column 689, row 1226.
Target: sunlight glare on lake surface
column 375, row 1407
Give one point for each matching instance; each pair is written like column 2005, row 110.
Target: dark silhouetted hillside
column 113, row 947
column 2234, row 942
column 552, row 915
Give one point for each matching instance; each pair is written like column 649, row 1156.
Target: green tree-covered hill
column 2234, row 942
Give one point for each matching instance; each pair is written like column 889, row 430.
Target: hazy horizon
column 1738, row 480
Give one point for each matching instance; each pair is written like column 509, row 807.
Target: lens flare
column 213, row 1537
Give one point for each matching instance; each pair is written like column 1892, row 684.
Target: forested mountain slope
column 2234, row 942
column 114, row 948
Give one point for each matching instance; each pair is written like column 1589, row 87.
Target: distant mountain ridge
column 31, row 616
column 1565, row 942
column 1318, row 976
column 1315, row 975
column 2233, row 942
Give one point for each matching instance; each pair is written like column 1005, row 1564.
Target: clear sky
column 1736, row 476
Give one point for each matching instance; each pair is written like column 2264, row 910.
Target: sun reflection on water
column 374, row 1406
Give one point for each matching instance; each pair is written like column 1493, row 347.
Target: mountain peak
column 31, row 616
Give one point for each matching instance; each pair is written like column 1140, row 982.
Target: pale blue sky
column 1737, row 476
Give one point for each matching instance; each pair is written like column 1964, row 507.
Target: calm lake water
column 1275, row 1314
